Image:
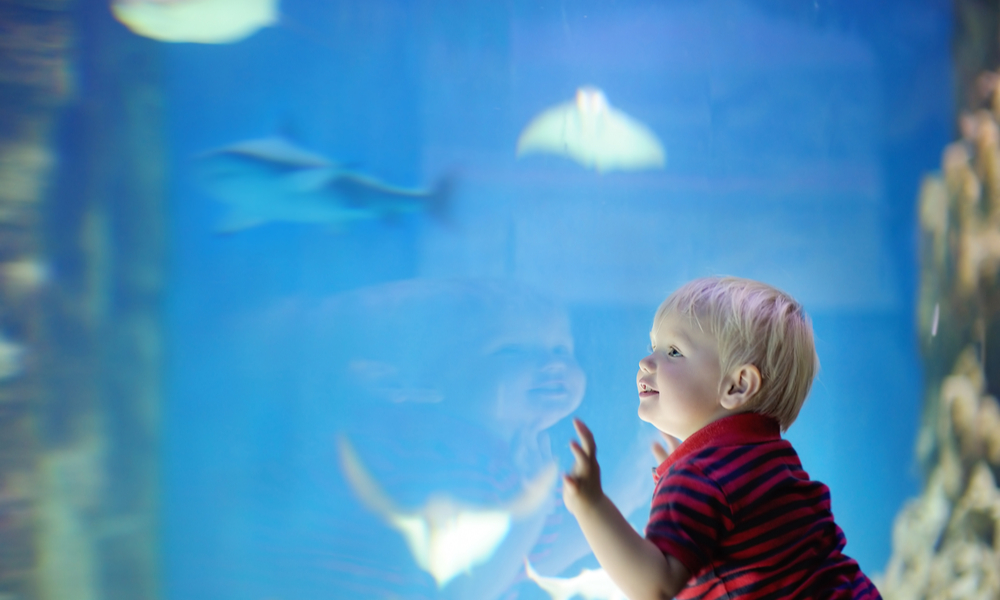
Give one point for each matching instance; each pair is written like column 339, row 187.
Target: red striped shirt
column 735, row 506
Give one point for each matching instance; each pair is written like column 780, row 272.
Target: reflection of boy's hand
column 662, row 453
column 582, row 485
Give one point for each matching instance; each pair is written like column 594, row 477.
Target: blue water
column 796, row 141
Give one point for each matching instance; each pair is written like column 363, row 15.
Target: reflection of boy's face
column 536, row 377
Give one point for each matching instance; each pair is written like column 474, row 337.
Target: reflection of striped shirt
column 733, row 504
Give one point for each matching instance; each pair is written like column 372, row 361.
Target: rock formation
column 946, row 542
column 81, row 203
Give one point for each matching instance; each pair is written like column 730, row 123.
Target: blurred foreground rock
column 946, row 543
column 81, row 244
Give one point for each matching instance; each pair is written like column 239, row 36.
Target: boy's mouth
column 557, row 388
column 646, row 390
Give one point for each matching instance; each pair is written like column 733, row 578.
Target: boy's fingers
column 659, row 452
column 586, row 438
column 671, row 441
column 582, row 460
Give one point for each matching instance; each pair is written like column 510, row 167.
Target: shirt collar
column 738, row 429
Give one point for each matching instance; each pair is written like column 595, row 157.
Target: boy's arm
column 636, row 566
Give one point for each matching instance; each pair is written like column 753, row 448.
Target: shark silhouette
column 272, row 180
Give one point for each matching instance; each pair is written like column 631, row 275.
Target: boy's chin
column 645, row 417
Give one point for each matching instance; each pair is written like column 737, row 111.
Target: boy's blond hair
column 754, row 323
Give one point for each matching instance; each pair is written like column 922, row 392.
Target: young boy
column 733, row 515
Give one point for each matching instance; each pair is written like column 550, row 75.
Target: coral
column 967, row 565
column 934, row 214
column 34, row 54
column 11, row 359
column 961, row 210
column 24, row 167
column 946, row 542
column 21, row 278
column 962, row 397
column 963, row 572
column 989, row 428
column 65, row 551
column 977, row 513
column 915, row 534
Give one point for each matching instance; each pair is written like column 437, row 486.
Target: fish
column 273, row 180
column 446, row 537
column 196, row 21
column 590, row 584
column 588, row 130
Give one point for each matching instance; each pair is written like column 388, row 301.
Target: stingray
column 272, row 180
column 591, row 132
column 446, row 537
column 198, row 21
column 590, row 584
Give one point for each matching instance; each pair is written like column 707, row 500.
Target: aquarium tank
column 299, row 299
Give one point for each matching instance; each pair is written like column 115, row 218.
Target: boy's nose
column 646, row 365
column 554, row 364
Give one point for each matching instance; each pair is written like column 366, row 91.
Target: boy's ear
column 741, row 387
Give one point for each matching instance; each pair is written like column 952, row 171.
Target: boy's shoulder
column 729, row 464
column 745, row 462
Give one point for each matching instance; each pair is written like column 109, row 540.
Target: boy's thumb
column 659, row 452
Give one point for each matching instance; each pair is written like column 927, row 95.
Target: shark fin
column 277, row 150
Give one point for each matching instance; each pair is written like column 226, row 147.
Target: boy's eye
column 674, row 352
column 510, row 350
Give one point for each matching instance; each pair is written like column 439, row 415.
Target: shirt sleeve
column 689, row 516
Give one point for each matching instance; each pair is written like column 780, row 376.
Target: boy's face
column 680, row 381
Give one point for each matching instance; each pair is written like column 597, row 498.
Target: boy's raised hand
column 582, row 485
